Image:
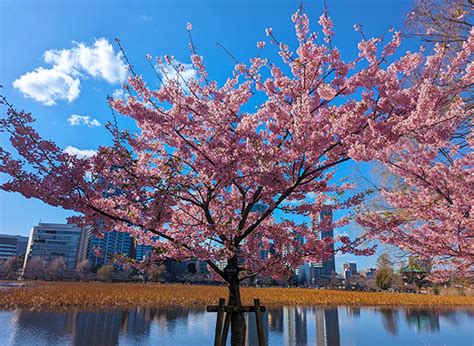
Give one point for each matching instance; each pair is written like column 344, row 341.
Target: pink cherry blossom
column 326, row 91
column 208, row 175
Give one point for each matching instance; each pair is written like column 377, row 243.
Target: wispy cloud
column 80, row 153
column 118, row 94
column 69, row 66
column 145, row 18
column 76, row 120
column 186, row 72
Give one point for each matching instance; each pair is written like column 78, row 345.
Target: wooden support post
column 220, row 315
column 225, row 330
column 258, row 319
column 223, row 325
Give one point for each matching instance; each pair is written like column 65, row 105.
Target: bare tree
column 14, row 265
column 56, row 269
column 35, row 269
column 83, row 269
column 124, row 273
column 10, row 268
column 384, row 261
column 105, row 273
column 3, row 269
column 155, row 272
column 441, row 21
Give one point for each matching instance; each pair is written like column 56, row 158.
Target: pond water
column 283, row 326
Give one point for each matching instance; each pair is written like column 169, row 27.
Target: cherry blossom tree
column 430, row 213
column 432, row 216
column 449, row 23
column 217, row 179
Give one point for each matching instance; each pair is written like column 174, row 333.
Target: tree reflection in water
column 390, row 320
column 423, row 319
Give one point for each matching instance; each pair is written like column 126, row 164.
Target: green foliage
column 384, row 278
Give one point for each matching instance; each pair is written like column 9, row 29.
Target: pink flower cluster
column 205, row 174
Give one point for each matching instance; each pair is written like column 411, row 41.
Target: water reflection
column 422, row 319
column 275, row 320
column 390, row 320
column 283, row 326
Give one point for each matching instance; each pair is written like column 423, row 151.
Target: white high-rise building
column 54, row 240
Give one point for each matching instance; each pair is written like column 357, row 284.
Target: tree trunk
column 237, row 323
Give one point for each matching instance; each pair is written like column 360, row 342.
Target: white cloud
column 76, row 120
column 99, row 61
column 118, row 94
column 80, row 153
column 48, row 86
column 168, row 72
column 62, row 81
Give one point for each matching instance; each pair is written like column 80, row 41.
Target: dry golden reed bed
column 94, row 295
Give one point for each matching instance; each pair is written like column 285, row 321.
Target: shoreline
column 37, row 295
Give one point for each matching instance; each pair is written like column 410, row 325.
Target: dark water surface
column 284, row 326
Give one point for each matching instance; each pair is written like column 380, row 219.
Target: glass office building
column 12, row 246
column 53, row 240
column 142, row 251
column 109, row 244
column 309, row 272
column 327, row 231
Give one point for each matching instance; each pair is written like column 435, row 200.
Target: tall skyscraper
column 309, row 272
column 110, row 245
column 326, row 230
column 54, row 240
column 260, row 208
column 12, row 246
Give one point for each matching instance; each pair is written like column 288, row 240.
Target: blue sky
column 29, row 29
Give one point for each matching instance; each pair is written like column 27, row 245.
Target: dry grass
column 56, row 295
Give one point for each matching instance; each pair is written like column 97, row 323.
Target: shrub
column 105, row 273
column 384, row 278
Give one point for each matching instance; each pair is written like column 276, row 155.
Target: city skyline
column 111, row 244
